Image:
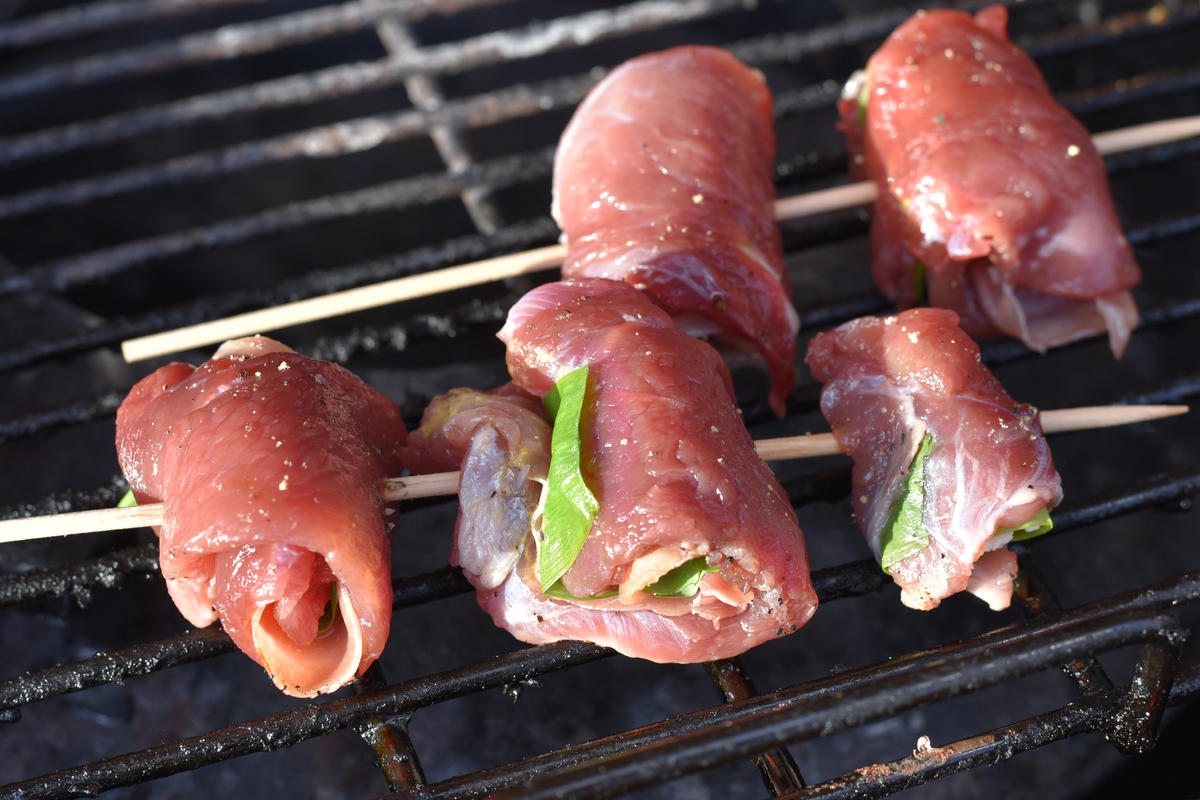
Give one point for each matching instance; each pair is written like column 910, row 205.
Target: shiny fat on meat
column 672, row 467
column 269, row 466
column 664, row 178
column 989, row 184
column 887, row 383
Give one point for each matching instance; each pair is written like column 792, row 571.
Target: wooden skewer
column 446, row 483
column 493, row 269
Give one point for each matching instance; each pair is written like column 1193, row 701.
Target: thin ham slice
column 664, row 179
column 988, row 188
column 670, row 462
column 890, row 382
column 269, row 466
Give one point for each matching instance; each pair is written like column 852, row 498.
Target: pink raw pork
column 269, row 466
column 667, row 457
column 664, row 179
column 992, row 199
column 908, row 392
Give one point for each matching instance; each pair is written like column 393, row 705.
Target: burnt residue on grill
column 168, row 162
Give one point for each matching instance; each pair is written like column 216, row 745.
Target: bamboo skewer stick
column 446, row 483
column 493, row 269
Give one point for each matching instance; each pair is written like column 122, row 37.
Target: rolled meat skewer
column 993, row 201
column 664, row 178
column 692, row 552
column 948, row 468
column 269, row 466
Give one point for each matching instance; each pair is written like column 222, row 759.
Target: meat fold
column 664, row 179
column 669, row 461
column 993, row 201
column 269, row 466
column 907, row 393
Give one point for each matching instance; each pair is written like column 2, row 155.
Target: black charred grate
column 167, row 162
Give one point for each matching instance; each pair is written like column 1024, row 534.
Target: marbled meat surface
column 664, row 178
column 269, row 467
column 993, row 200
column 889, row 382
column 670, row 462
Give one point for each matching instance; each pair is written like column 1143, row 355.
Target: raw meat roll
column 269, row 466
column 664, row 178
column 948, row 468
column 992, row 199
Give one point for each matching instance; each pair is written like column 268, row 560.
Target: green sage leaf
column 570, row 505
column 905, row 533
column 919, row 281
column 1038, row 524
column 331, row 610
column 683, row 581
column 557, row 589
column 864, row 95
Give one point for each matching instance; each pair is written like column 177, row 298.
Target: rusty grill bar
column 747, row 725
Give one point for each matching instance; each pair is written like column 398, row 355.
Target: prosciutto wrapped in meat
column 992, row 199
column 269, row 466
column 947, row 467
column 664, row 179
column 694, row 552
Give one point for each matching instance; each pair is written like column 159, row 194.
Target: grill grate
column 488, row 96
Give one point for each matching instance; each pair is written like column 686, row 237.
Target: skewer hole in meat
column 269, row 466
column 948, row 468
column 664, row 178
column 692, row 550
column 992, row 198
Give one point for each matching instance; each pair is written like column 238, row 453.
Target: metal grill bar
column 326, row 141
column 1035, row 594
column 388, row 737
column 351, row 79
column 847, row 580
column 739, row 729
column 77, row 580
column 778, row 768
column 441, row 121
column 67, row 23
column 232, row 41
column 793, row 46
column 63, row 274
column 103, row 406
column 1137, row 89
column 426, row 96
column 70, row 500
column 454, row 251
column 789, row 713
column 1152, row 234
column 331, row 83
column 288, row 728
column 1128, row 27
column 802, row 398
column 115, row 667
column 141, row 659
column 480, row 51
column 1171, row 391
column 711, row 745
column 1082, row 716
column 395, row 195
